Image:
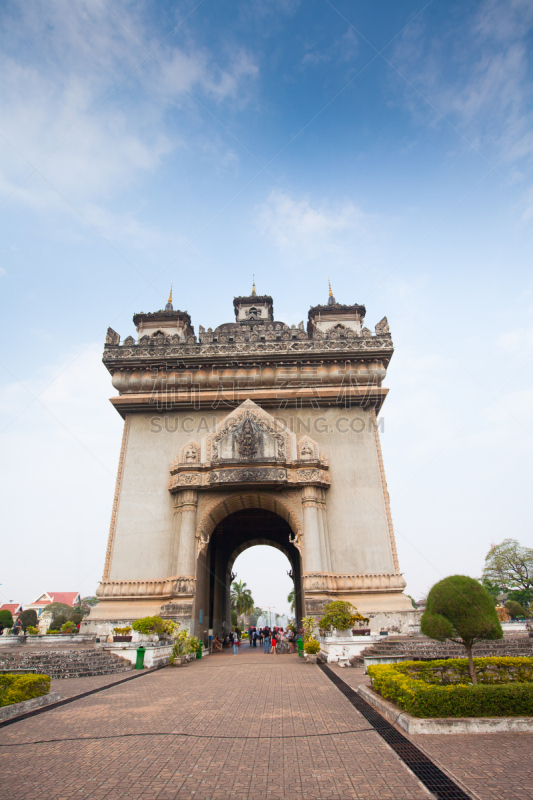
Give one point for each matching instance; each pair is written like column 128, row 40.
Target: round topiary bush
column 460, row 609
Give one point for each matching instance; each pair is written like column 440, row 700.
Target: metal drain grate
column 433, row 778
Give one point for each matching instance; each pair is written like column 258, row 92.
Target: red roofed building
column 15, row 608
column 46, row 599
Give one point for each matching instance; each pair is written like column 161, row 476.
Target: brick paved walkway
column 247, row 726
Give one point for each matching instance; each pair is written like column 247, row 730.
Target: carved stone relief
column 249, row 446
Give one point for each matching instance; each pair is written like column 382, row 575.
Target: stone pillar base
column 388, row 610
column 109, row 613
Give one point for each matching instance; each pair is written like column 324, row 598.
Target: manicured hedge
column 498, row 669
column 16, row 688
column 443, row 689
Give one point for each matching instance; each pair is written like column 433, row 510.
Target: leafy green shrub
column 441, row 689
column 57, row 622
column 170, row 628
column 68, row 627
column 312, row 647
column 6, row 618
column 52, row 632
column 32, row 630
column 184, row 644
column 16, row 688
column 340, row 614
column 122, row 631
column 515, row 609
column 27, row 618
column 149, row 625
column 308, row 625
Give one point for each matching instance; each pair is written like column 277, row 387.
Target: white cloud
column 313, row 229
column 58, row 482
column 475, row 73
column 92, row 94
column 518, row 341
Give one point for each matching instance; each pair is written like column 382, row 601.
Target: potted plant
column 311, row 649
column 340, row 616
column 181, row 651
column 122, row 634
column 150, row 627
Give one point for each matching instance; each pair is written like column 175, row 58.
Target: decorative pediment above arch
column 250, row 434
column 249, row 446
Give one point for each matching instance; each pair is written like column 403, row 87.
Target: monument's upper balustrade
column 255, row 356
column 263, row 341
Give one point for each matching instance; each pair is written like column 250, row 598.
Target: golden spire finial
column 170, row 295
column 253, row 285
column 330, row 292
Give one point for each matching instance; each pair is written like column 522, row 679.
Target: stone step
column 73, row 664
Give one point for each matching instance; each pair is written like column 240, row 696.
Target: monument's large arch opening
column 233, row 535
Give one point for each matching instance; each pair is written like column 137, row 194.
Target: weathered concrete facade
column 252, row 433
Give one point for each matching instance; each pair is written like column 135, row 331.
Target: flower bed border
column 416, row 725
column 457, row 700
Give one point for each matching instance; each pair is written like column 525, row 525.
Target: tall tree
column 291, row 598
column 6, row 618
column 510, row 565
column 460, row 609
column 241, row 598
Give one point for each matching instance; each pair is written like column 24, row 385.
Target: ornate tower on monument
column 252, row 433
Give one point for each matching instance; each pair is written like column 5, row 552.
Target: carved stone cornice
column 364, row 582
column 295, row 345
column 175, row 586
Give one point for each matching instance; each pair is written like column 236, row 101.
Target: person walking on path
column 266, row 640
column 236, row 642
column 274, row 643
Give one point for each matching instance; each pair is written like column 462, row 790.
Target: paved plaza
column 246, row 726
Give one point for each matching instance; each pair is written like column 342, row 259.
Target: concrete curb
column 8, row 712
column 416, row 725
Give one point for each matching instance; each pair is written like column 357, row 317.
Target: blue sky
column 388, row 145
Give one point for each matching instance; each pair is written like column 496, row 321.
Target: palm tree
column 241, row 598
column 292, row 600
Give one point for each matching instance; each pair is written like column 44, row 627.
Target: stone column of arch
column 313, row 549
column 323, row 530
column 185, row 532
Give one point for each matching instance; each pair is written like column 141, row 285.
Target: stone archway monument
column 252, row 432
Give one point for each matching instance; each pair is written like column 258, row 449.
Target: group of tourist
column 273, row 640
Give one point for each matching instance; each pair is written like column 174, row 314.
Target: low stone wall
column 345, row 647
column 59, row 639
column 14, row 710
column 155, row 655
